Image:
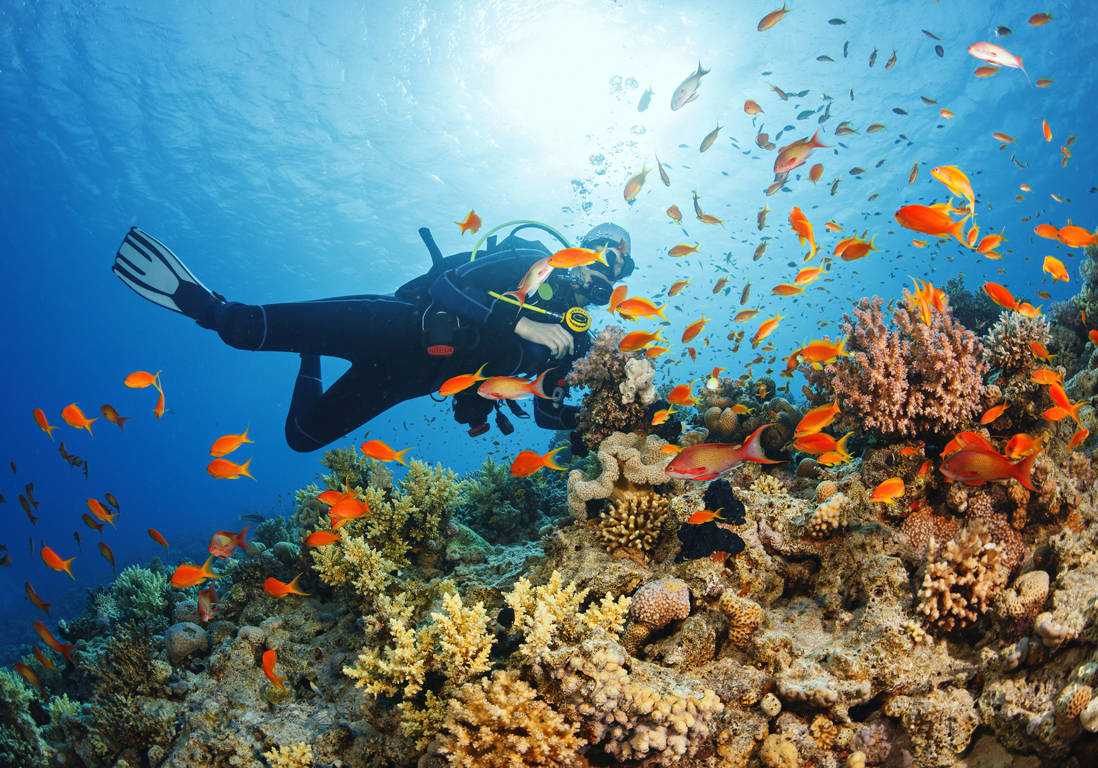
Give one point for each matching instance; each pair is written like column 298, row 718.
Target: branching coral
column 549, row 614
column 1006, row 345
column 499, row 722
column 290, row 756
column 633, row 520
column 603, row 372
column 962, row 581
column 908, row 379
column 137, row 592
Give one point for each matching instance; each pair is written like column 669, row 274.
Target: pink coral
column 910, row 379
column 602, row 371
column 660, row 602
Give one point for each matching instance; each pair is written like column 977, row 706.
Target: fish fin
column 1021, row 470
column 752, row 450
column 549, row 458
column 242, row 538
column 535, row 387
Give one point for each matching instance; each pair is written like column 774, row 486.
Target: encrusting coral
column 908, row 379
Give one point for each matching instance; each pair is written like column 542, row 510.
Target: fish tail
column 244, row 469
column 399, row 456
column 293, row 588
column 752, row 449
column 205, row 571
column 122, row 422
column 517, row 294
column 659, row 311
column 49, row 430
column 535, row 386
column 242, row 537
column 67, row 566
column 548, row 459
column 477, row 376
column 600, row 257
column 244, row 437
column 815, row 141
column 1021, row 470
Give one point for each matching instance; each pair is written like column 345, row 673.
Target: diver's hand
column 551, row 335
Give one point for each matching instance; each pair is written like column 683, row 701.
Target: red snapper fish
column 709, row 460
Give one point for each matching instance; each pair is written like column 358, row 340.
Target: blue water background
column 288, row 151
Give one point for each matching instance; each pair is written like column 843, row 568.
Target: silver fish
column 710, row 137
column 646, row 98
column 688, row 89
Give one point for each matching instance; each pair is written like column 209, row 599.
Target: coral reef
column 1006, row 344
column 602, row 371
column 905, row 380
column 626, row 461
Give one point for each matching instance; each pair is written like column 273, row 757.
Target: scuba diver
column 452, row 320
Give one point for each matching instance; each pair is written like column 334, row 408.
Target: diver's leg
column 351, row 327
column 359, row 395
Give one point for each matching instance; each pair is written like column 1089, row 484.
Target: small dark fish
column 12, row 465
column 1002, row 31
column 781, row 94
column 931, row 35
column 746, row 293
column 852, row 94
column 27, row 508
column 940, row 51
column 85, row 470
column 105, row 551
column 112, row 501
column 806, row 114
column 2, row 499
column 29, row 488
column 873, row 57
column 1020, row 165
column 826, row 115
column 928, row 101
column 846, row 48
column 76, row 535
column 880, row 163
column 826, row 59
column 857, row 170
column 891, row 60
column 253, row 517
column 30, row 540
column 5, row 560
column 836, row 22
column 899, row 111
column 645, row 98
column 835, row 185
column 873, row 197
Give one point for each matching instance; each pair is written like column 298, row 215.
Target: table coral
column 500, row 722
column 907, row 379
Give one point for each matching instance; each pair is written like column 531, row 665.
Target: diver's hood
column 612, row 236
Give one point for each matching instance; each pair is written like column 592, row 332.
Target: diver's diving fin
column 155, row 273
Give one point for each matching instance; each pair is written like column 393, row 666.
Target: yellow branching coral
column 432, row 491
column 397, row 668
column 501, row 723
column 298, row 755
column 550, row 613
column 464, row 638
column 351, row 561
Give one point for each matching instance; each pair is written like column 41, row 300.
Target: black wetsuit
column 382, row 337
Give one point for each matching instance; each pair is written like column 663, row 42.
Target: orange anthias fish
column 43, row 660
column 682, row 249
column 794, row 155
column 40, row 420
column 47, row 637
column 803, row 227
column 706, row 461
column 223, row 469
column 54, row 561
column 28, row 674
column 1059, row 396
column 1046, row 376
column 159, row 408
column 108, row 554
column 512, row 387
column 991, row 414
column 635, row 184
column 815, row 172
column 91, row 522
column 1046, row 231
column 854, row 248
column 101, row 512
column 1025, row 309
column 140, row 379
column 677, row 286
column 1039, row 351
column 824, row 351
column 1076, row 237
column 276, row 588
column 617, row 296
column 693, row 329
column 187, row 575
column 931, row 221
column 821, row 442
column 704, row 516
column 207, row 602
column 537, row 274
column 1020, row 445
column 816, row 419
column 528, row 462
column 967, row 440
column 461, row 382
column 752, row 107
column 1055, row 268
column 1000, row 296
column 269, row 659
column 348, row 508
column 223, row 543
column 772, row 18
column 682, row 395
column 997, row 55
column 675, row 214
column 786, row 289
column 766, row 329
column 471, row 224
column 111, row 415
column 1078, row 438
column 577, row 257
column 640, row 307
column 807, row 275
column 321, row 538
column 956, row 182
column 976, row 466
column 888, row 491
column 1046, row 130
column 631, row 342
column 74, row 417
column 226, row 444
column 744, row 315
column 158, row 537
column 34, row 598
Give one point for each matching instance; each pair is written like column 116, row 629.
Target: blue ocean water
column 290, row 151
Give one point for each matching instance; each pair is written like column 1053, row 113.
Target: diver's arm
column 551, row 335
